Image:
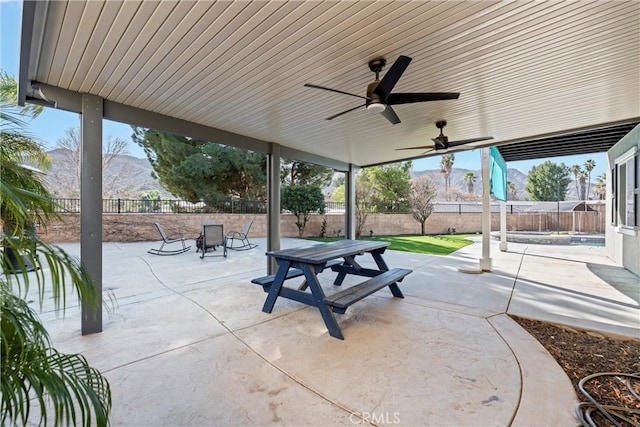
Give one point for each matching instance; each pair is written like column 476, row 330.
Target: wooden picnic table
column 340, row 257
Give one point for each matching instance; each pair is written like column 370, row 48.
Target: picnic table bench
column 340, row 257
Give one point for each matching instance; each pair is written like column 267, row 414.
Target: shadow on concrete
column 619, row 278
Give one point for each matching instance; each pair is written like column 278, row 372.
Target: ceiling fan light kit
column 376, row 107
column 379, row 98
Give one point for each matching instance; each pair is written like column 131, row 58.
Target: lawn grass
column 442, row 244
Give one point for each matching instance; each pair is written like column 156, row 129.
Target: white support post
column 503, row 226
column 485, row 261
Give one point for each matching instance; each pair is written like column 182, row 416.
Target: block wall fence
column 139, row 227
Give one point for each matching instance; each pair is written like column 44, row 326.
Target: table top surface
column 324, row 252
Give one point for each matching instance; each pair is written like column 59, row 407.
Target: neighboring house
column 623, row 201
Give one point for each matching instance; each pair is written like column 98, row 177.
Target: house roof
column 562, row 206
column 234, row 72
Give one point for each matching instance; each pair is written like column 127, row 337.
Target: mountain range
column 128, row 177
column 458, row 187
column 124, row 176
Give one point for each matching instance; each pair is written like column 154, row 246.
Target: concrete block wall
column 139, row 227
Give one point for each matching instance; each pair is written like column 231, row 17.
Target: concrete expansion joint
column 515, row 357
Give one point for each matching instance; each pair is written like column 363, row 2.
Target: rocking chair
column 241, row 237
column 167, row 241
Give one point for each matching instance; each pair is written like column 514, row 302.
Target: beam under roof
column 589, row 141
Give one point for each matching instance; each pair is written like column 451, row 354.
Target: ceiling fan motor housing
column 376, row 65
column 444, row 140
column 374, row 102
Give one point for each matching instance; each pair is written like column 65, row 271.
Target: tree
column 391, row 186
column 423, row 193
column 548, row 182
column 301, row 200
column 576, row 171
column 198, row 170
column 338, row 195
column 589, row 165
column 294, row 172
column 582, row 184
column 64, row 386
column 64, row 184
column 600, row 187
column 379, row 189
column 511, row 190
column 150, row 201
column 365, row 199
column 9, row 99
column 446, row 166
column 469, row 179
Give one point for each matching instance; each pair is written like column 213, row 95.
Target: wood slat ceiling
column 524, row 68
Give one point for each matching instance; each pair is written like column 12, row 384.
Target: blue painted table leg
column 274, row 290
column 377, row 257
column 348, row 261
column 395, row 290
column 318, row 295
column 382, row 265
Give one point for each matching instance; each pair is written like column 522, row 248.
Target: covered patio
column 541, row 78
column 188, row 344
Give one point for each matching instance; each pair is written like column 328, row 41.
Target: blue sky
column 51, row 124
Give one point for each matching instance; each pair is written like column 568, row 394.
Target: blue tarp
column 498, row 175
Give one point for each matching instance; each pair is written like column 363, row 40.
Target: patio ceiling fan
column 441, row 142
column 379, row 98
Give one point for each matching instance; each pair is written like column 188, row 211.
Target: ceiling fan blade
column 333, row 90
column 390, row 79
column 391, row 115
column 408, row 98
column 468, row 141
column 439, row 143
column 420, row 147
column 345, row 112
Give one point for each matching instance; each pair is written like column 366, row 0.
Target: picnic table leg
column 340, row 278
column 318, row 296
column 276, row 286
column 349, row 261
column 382, row 265
column 377, row 257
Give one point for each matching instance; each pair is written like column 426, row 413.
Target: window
column 614, row 191
column 625, row 196
column 637, row 191
column 630, row 184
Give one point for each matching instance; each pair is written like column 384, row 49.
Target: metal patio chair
column 167, row 241
column 241, row 237
column 212, row 238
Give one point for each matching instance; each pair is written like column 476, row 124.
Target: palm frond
column 9, row 95
column 64, row 384
column 53, row 267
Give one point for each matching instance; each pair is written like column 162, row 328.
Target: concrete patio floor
column 188, row 344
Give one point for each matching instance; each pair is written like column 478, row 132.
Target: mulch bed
column 582, row 353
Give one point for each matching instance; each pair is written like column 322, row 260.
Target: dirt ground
column 582, row 353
